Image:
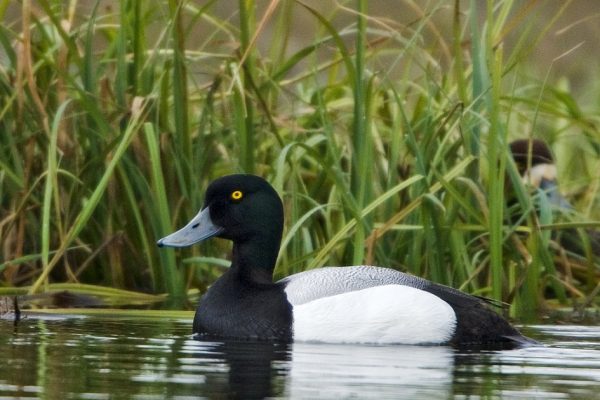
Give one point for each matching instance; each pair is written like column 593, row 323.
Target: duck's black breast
column 236, row 308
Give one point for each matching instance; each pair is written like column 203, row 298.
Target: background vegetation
column 385, row 132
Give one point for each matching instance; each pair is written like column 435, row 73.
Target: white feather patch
column 538, row 172
column 380, row 314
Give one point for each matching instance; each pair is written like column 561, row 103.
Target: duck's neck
column 254, row 260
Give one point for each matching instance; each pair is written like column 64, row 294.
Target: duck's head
column 538, row 152
column 236, row 207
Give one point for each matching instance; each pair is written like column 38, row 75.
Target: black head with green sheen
column 237, row 207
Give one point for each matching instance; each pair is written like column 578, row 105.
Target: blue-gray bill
column 198, row 229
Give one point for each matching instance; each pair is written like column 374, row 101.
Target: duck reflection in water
column 254, row 369
column 259, row 369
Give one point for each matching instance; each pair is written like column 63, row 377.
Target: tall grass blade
column 51, row 184
column 173, row 281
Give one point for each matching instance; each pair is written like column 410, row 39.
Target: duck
column 334, row 304
column 537, row 167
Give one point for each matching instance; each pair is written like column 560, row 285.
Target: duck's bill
column 556, row 199
column 198, row 229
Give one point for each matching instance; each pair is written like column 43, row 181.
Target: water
column 122, row 358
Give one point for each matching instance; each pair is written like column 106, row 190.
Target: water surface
column 119, row 358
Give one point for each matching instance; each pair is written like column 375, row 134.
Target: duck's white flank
column 380, row 314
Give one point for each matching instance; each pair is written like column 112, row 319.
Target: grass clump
column 388, row 142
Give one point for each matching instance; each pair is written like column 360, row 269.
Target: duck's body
column 359, row 304
column 423, row 312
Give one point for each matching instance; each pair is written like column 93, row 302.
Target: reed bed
column 387, row 141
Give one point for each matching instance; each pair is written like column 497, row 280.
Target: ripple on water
column 97, row 357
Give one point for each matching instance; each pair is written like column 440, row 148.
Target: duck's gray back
column 330, row 281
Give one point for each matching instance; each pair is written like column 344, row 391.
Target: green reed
column 113, row 121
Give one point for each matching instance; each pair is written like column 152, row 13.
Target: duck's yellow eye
column 237, row 195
